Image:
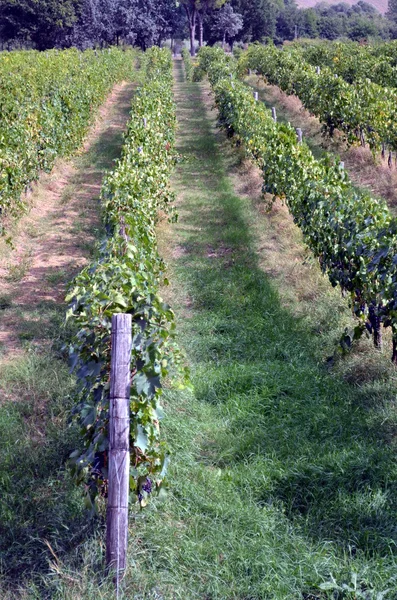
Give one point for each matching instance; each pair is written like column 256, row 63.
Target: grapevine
column 125, row 278
column 363, row 111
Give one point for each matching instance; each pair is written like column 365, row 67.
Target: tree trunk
column 374, row 319
column 201, row 30
column 191, row 19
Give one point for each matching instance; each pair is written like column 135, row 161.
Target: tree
column 86, row 30
column 309, row 23
column 288, row 22
column 392, row 10
column 39, row 22
column 206, row 7
column 227, row 23
column 195, row 12
column 331, row 27
column 361, row 28
column 259, row 19
column 140, row 22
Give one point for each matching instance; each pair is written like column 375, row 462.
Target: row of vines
column 47, row 102
column 353, row 61
column 353, row 235
column 126, row 278
column 363, row 111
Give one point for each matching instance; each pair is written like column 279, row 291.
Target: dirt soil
column 56, row 238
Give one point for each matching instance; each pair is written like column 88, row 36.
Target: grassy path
column 283, row 474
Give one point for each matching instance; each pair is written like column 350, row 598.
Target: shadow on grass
column 39, row 502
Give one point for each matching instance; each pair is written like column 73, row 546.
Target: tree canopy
column 88, row 23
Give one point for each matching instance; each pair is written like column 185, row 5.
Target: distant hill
column 380, row 5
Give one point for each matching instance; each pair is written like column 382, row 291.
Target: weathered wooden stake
column 341, row 165
column 256, row 96
column 394, row 356
column 362, row 138
column 390, row 160
column 249, row 72
column 299, row 135
column 318, row 70
column 144, row 122
column 119, row 445
column 274, row 114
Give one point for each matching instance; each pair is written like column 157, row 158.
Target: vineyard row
column 353, row 235
column 126, row 278
column 363, row 111
column 353, row 61
column 47, row 102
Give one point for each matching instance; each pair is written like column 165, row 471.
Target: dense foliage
column 47, row 102
column 352, row 234
column 86, row 23
column 354, row 61
column 126, row 278
column 139, row 22
column 96, row 23
column 359, row 21
column 364, row 111
column 41, row 23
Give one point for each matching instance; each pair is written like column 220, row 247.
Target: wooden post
column 256, row 96
column 144, row 121
column 249, row 72
column 362, row 138
column 394, row 356
column 119, row 445
column 390, row 160
column 274, row 114
column 318, row 70
column 341, row 165
column 299, row 135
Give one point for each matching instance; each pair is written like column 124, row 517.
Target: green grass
column 56, row 277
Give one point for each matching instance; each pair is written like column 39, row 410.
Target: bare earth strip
column 54, row 240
